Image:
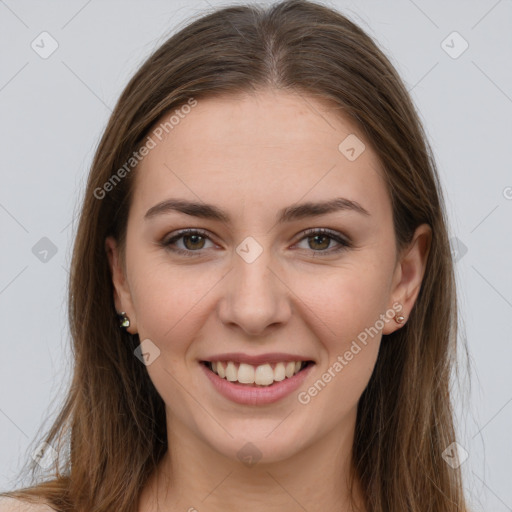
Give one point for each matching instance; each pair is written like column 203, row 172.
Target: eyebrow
column 288, row 214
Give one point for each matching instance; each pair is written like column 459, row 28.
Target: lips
column 255, row 394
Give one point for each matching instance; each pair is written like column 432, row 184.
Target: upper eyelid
column 187, row 231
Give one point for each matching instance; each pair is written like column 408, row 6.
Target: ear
column 122, row 295
column 408, row 275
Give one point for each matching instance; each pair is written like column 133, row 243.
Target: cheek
column 347, row 299
column 168, row 300
column 345, row 309
column 344, row 313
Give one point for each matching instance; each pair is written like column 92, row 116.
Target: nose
column 255, row 297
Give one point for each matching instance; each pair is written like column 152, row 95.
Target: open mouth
column 263, row 375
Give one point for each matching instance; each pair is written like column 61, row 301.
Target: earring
column 124, row 321
column 399, row 319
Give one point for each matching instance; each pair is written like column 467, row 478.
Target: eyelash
column 333, row 235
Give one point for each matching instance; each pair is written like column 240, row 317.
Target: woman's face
column 252, row 287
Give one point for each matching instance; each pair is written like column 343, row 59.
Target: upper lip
column 274, row 357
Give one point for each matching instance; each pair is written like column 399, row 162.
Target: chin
column 258, row 442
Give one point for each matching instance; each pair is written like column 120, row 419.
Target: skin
column 252, row 155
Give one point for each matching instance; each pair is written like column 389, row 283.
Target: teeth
column 279, row 372
column 231, row 372
column 290, row 369
column 262, row 375
column 246, row 373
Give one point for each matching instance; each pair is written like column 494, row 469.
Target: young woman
column 262, row 299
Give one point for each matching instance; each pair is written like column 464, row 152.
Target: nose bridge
column 254, row 297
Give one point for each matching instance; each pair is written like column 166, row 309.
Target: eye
column 319, row 239
column 194, row 240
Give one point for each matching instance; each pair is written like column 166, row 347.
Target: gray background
column 53, row 111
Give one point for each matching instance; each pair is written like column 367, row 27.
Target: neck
column 193, row 477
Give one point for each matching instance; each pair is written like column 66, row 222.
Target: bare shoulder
column 15, row 505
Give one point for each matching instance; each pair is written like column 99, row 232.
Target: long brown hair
column 110, row 432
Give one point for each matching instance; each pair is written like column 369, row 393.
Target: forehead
column 268, row 149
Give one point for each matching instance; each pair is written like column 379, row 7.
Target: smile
column 261, row 375
column 260, row 384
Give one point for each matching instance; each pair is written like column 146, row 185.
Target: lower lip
column 252, row 395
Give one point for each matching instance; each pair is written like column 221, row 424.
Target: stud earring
column 399, row 319
column 124, row 321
